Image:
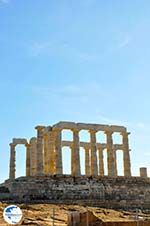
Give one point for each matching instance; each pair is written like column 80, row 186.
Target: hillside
column 45, row 214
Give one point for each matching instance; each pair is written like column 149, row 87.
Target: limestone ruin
column 46, row 182
column 44, row 152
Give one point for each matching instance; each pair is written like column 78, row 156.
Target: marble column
column 46, row 164
column 110, row 154
column 101, row 162
column 33, row 156
column 40, row 151
column 126, row 154
column 87, row 161
column 94, row 168
column 75, row 154
column 58, row 151
column 12, row 167
column 51, row 152
column 115, row 160
column 28, row 152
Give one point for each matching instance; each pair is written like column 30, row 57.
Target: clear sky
column 83, row 61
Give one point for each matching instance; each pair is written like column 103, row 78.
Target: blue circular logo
column 12, row 214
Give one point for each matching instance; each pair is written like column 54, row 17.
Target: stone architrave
column 101, row 162
column 87, row 161
column 110, row 154
column 12, row 167
column 28, row 152
column 40, row 150
column 94, row 167
column 126, row 154
column 75, row 154
column 33, row 156
column 58, row 151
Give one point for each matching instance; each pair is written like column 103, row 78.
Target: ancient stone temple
column 45, row 181
column 44, row 152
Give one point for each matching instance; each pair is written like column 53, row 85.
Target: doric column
column 75, row 154
column 87, row 161
column 40, row 151
column 94, row 168
column 46, row 163
column 115, row 160
column 33, row 156
column 28, row 159
column 101, row 162
column 51, row 152
column 126, row 154
column 58, row 151
column 110, row 154
column 12, row 167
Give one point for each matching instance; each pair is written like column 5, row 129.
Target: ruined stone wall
column 117, row 193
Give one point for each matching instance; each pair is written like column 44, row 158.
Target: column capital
column 75, row 130
column 27, row 145
column 92, row 131
column 100, row 149
column 40, row 127
column 108, row 132
column 125, row 133
column 12, row 145
column 86, row 147
column 33, row 139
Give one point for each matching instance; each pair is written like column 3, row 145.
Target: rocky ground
column 47, row 214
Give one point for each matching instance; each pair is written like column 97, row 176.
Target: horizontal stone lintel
column 90, row 126
column 19, row 141
column 88, row 145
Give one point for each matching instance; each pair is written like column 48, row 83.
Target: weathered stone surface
column 120, row 192
column 45, row 181
column 33, row 156
column 65, row 125
column 44, row 156
column 94, row 166
column 75, row 158
column 143, row 172
column 19, row 141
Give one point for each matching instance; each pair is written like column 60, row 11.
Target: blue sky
column 83, row 61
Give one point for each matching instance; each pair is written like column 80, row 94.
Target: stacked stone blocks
column 44, row 152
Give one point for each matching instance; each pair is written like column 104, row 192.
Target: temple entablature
column 16, row 141
column 87, row 126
